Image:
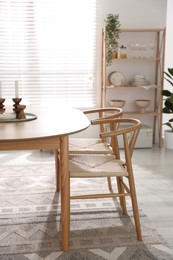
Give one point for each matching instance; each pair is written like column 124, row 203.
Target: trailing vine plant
column 112, row 32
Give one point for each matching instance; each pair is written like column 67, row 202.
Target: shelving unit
column 145, row 61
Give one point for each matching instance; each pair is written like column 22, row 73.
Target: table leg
column 65, row 193
column 57, row 171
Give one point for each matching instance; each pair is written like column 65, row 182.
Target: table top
column 51, row 121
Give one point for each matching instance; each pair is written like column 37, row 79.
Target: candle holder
column 16, row 101
column 20, row 112
column 15, row 105
column 2, row 109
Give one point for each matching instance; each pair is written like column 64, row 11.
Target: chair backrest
column 129, row 129
column 103, row 114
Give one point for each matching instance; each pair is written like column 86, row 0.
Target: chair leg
column 122, row 199
column 135, row 208
column 57, row 171
column 109, row 183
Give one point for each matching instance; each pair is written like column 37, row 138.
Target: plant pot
column 168, row 139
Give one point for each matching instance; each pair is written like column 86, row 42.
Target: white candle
column 16, row 89
column 0, row 90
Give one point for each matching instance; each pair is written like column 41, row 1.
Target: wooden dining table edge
column 54, row 142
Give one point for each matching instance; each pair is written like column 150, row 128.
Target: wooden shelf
column 153, row 86
column 137, row 113
column 137, row 59
column 153, row 59
column 140, row 30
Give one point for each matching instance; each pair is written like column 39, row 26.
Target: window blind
column 49, row 47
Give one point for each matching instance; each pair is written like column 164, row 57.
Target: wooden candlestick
column 20, row 111
column 2, row 109
column 16, row 101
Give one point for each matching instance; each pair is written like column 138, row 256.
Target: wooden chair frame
column 102, row 114
column 124, row 189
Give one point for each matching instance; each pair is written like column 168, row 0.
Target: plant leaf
column 169, row 81
column 112, row 31
column 166, row 110
column 171, row 98
column 167, row 74
column 168, row 124
column 170, row 70
column 169, row 105
column 166, row 93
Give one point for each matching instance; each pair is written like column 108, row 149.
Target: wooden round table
column 50, row 130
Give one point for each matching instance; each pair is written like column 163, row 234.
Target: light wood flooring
column 155, row 190
column 154, row 185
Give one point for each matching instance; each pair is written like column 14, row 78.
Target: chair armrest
column 136, row 124
column 97, row 110
column 113, row 113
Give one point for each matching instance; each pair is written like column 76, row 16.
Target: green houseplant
column 112, row 32
column 168, row 102
column 168, row 109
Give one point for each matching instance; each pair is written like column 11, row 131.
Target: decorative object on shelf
column 168, row 109
column 2, row 106
column 138, row 49
column 152, row 45
column 116, row 79
column 142, row 104
column 117, row 103
column 122, row 52
column 112, row 32
column 139, row 81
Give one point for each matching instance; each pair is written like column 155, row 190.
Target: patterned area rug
column 30, row 221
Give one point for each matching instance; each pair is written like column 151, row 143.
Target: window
column 49, row 46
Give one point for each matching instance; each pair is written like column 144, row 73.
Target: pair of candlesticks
column 18, row 109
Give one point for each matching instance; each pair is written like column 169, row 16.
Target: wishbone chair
column 118, row 164
column 88, row 145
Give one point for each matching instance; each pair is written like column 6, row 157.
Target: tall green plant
column 112, row 26
column 168, row 102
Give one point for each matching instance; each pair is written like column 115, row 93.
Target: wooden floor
column 155, row 190
column 154, row 184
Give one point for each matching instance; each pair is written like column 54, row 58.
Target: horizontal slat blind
column 49, row 46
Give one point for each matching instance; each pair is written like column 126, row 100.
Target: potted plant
column 168, row 109
column 112, row 32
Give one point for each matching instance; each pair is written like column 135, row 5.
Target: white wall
column 169, row 36
column 132, row 14
column 169, row 48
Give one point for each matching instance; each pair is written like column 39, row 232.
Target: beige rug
column 30, row 221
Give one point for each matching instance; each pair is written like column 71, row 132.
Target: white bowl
column 142, row 104
column 117, row 103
